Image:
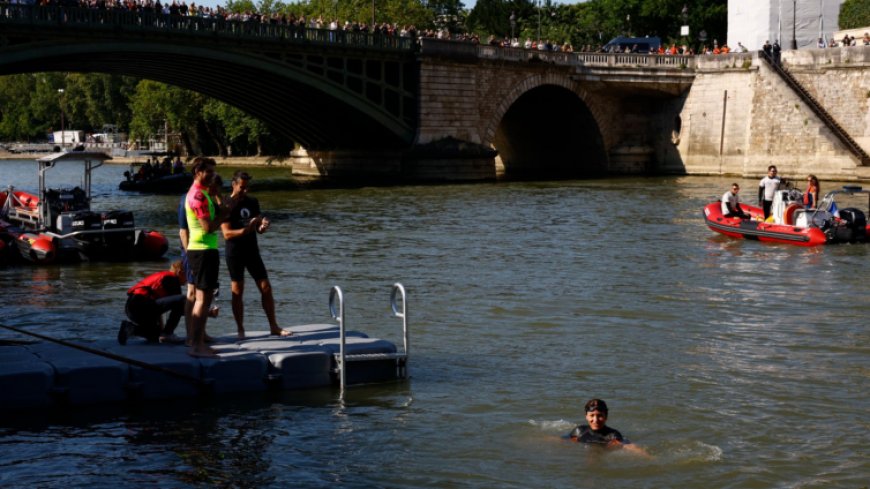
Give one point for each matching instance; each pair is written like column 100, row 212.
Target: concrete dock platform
column 46, row 374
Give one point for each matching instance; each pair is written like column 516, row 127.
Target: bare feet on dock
column 202, row 352
column 280, row 332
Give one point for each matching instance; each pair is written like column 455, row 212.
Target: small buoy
column 152, row 245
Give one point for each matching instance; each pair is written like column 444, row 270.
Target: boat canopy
column 53, row 158
column 48, row 161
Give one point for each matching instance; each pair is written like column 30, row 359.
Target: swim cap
column 596, row 405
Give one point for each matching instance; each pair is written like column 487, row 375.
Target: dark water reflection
column 737, row 364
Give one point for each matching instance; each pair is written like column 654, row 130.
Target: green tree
column 492, row 17
column 240, row 6
column 234, row 127
column 155, row 105
column 854, row 14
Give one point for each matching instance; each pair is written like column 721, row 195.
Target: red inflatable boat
column 59, row 225
column 791, row 223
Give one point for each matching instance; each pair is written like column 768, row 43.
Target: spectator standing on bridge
column 243, row 253
column 767, row 188
column 767, row 48
column 777, row 51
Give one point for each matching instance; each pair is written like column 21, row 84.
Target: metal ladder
column 336, row 308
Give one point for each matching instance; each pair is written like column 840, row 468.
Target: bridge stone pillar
column 445, row 160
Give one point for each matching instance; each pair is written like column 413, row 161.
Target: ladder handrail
column 335, row 293
column 336, row 309
column 399, row 289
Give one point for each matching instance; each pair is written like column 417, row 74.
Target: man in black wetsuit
column 597, row 433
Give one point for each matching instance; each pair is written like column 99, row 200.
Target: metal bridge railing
column 455, row 49
column 121, row 20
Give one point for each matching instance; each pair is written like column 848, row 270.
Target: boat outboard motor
column 856, row 225
column 119, row 233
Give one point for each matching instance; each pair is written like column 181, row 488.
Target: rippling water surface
column 736, row 364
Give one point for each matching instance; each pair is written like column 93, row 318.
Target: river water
column 736, row 364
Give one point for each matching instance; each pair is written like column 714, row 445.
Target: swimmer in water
column 598, row 433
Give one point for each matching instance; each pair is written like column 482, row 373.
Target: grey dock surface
column 45, row 374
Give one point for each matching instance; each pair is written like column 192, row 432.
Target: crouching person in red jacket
column 148, row 300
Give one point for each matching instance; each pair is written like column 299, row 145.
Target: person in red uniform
column 148, row 300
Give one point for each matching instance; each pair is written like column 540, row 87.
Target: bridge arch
column 549, row 126
column 291, row 97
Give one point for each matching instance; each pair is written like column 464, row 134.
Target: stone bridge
column 382, row 107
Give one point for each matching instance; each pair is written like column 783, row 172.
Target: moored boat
column 58, row 224
column 159, row 177
column 790, row 222
column 168, row 184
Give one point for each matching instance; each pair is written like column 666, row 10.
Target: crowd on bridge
column 845, row 41
column 177, row 13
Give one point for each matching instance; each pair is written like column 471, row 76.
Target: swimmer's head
column 596, row 405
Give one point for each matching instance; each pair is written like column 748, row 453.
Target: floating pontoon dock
column 45, row 374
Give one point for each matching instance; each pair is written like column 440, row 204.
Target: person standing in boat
column 243, row 253
column 731, row 204
column 767, row 190
column 204, row 216
column 811, row 197
column 147, row 301
column 177, row 166
column 597, row 433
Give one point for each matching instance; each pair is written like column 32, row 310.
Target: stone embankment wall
column 739, row 116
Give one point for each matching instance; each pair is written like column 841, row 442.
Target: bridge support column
column 339, row 165
column 447, row 160
column 631, row 159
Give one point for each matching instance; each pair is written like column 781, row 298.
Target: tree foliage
column 854, row 14
column 597, row 21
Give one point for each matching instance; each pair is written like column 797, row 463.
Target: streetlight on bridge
column 684, row 14
column 62, row 129
column 513, row 25
column 794, row 24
